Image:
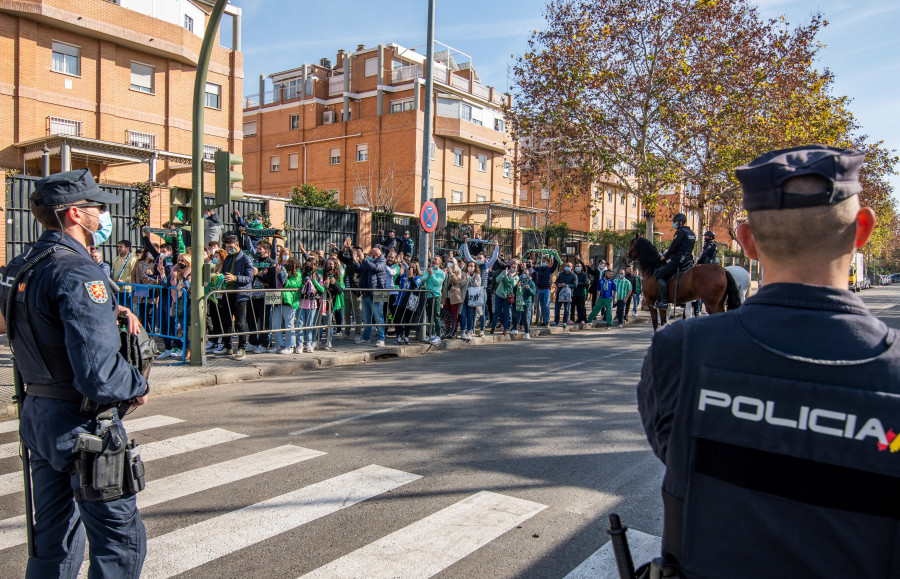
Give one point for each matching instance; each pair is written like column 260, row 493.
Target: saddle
column 683, row 267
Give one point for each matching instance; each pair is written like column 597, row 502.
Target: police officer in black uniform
column 780, row 443
column 707, row 255
column 678, row 255
column 65, row 336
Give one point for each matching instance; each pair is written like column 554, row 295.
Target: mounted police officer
column 779, row 441
column 679, row 254
column 708, row 255
column 64, row 331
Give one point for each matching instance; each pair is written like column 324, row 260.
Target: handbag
column 475, row 297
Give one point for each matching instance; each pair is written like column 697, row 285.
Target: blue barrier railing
column 162, row 314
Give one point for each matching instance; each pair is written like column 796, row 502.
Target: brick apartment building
column 357, row 126
column 107, row 85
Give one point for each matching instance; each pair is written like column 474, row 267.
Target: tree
column 309, row 196
column 380, row 188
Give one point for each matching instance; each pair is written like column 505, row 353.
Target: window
column 545, row 193
column 188, row 23
column 481, row 198
column 634, row 200
column 500, row 125
column 371, row 66
column 609, row 222
column 622, row 199
column 465, row 112
column 213, row 96
column 399, row 106
column 274, row 163
column 295, row 122
column 360, row 195
column 507, row 169
column 334, row 157
column 362, row 153
column 456, row 196
column 142, row 140
column 609, row 197
column 209, row 152
column 482, row 163
column 250, row 129
column 141, row 77
column 66, row 127
column 66, row 58
column 293, row 160
column 523, row 195
column 458, row 157
column 621, row 224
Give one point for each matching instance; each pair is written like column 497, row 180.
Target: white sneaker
column 527, row 335
column 310, row 348
column 259, row 350
column 514, row 332
column 379, row 344
column 286, row 351
column 435, row 339
column 297, row 350
column 328, row 347
column 176, row 353
column 274, row 350
column 165, row 354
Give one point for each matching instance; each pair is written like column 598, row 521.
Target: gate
column 316, row 227
column 22, row 229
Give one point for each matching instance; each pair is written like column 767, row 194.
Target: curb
column 219, row 376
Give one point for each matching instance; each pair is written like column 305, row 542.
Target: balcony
column 466, row 132
column 142, row 140
column 64, row 127
column 336, row 85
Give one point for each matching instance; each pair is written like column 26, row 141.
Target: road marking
column 12, row 530
column 602, row 563
column 9, row 426
column 11, row 449
column 11, row 483
column 432, row 544
column 429, row 398
column 192, row 546
column 187, row 443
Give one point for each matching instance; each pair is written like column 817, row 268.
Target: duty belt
column 66, row 394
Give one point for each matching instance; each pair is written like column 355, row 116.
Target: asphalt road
column 501, row 461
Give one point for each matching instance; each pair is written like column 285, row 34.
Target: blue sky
column 861, row 44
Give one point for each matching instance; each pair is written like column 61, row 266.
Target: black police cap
column 762, row 178
column 70, row 187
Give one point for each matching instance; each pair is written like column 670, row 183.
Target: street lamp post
column 427, row 133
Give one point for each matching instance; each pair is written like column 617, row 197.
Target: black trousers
column 234, row 318
column 578, row 307
column 628, row 305
column 620, row 312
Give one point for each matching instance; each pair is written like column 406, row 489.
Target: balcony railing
column 336, row 85
column 138, row 139
column 65, row 127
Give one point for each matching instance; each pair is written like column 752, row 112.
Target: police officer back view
column 63, row 328
column 777, row 445
column 707, row 255
column 678, row 255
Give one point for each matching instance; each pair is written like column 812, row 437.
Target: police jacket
column 240, row 265
column 708, row 255
column 373, row 275
column 778, row 455
column 65, row 334
column 682, row 247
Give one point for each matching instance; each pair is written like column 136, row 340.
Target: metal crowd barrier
column 260, row 309
column 152, row 305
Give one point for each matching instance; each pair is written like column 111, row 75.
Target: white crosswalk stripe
column 602, row 563
column 192, row 546
column 12, row 530
column 432, row 544
column 9, row 426
column 187, row 443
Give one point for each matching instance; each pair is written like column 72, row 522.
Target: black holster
column 107, row 465
column 659, row 568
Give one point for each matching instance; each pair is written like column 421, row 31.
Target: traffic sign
column 428, row 216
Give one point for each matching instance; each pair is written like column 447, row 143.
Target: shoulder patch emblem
column 97, row 291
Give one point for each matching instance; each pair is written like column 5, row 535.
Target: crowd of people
column 264, row 298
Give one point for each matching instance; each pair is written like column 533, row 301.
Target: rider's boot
column 663, row 301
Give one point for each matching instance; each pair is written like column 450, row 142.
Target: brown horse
column 710, row 283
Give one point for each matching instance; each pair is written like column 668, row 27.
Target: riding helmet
column 710, row 235
column 680, row 217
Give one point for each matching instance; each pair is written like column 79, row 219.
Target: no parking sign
column 428, row 216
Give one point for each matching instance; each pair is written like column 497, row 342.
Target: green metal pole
column 198, row 303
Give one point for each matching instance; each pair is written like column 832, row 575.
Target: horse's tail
column 732, row 293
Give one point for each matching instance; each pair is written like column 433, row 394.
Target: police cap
column 70, row 187
column 762, row 178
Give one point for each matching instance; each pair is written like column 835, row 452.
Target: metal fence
column 504, row 238
column 315, row 228
column 162, row 314
column 22, row 229
column 399, row 225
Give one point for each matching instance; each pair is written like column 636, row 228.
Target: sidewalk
column 166, row 376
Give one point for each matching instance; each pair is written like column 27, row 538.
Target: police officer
column 678, row 254
column 707, row 255
column 66, row 343
column 778, row 443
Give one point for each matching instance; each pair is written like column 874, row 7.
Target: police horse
column 710, row 283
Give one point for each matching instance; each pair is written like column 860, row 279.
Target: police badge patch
column 97, row 291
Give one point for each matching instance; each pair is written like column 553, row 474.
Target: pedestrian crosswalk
column 421, row 549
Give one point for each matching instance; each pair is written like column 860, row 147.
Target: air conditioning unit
column 328, row 117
